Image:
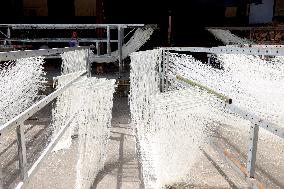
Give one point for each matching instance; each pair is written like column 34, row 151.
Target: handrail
column 68, row 26
column 46, row 152
column 13, row 55
column 254, row 50
column 56, row 40
column 39, row 105
column 267, row 125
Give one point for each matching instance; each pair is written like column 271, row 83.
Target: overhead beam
column 247, row 28
column 58, row 40
column 69, row 26
column 268, row 51
column 13, row 55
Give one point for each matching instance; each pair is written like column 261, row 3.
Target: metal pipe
column 22, row 151
column 207, row 89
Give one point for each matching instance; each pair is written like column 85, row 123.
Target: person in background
column 74, row 40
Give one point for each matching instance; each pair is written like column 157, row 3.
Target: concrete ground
column 121, row 170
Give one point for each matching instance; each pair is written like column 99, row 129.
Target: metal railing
column 18, row 121
column 98, row 41
column 247, row 171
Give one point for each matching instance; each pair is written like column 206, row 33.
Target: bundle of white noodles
column 228, row 38
column 90, row 101
column 144, row 83
column 253, row 83
column 20, row 83
column 94, row 119
column 73, row 64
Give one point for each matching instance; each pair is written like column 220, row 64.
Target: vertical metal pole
column 209, row 59
column 253, row 139
column 108, row 41
column 1, row 178
column 98, row 48
column 22, row 151
column 8, row 36
column 167, row 71
column 120, row 51
column 122, row 42
column 163, row 71
column 170, row 29
column 160, row 72
column 89, row 65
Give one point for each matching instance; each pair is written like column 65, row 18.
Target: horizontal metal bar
column 207, row 89
column 247, row 28
column 68, row 26
column 257, row 46
column 271, row 127
column 58, row 40
column 39, row 105
column 46, row 152
column 269, row 51
column 13, row 55
column 3, row 34
column 237, row 166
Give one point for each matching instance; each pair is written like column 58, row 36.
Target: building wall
column 40, row 7
column 85, row 7
column 279, row 8
column 35, row 7
column 261, row 13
